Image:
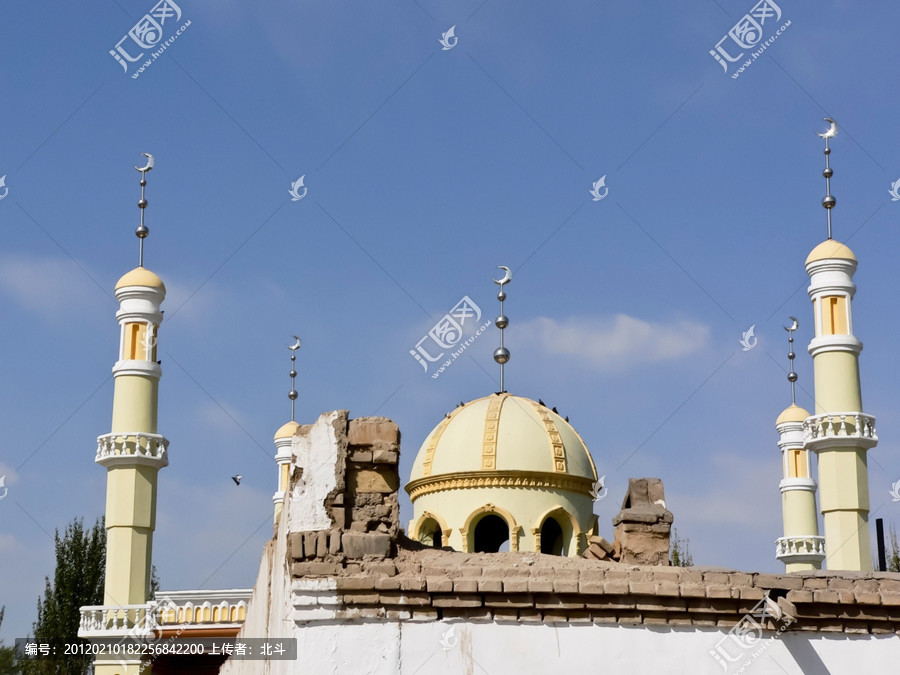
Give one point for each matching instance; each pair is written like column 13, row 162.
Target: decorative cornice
column 508, row 479
column 556, row 444
column 137, row 367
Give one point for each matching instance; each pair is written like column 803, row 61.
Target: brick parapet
column 427, row 584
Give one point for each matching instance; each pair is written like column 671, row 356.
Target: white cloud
column 50, row 287
column 619, row 343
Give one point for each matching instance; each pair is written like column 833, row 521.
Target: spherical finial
column 141, row 231
column 292, row 394
column 827, row 151
column 501, row 322
column 501, row 296
column 828, row 201
column 828, row 172
column 792, row 377
column 501, row 355
column 293, row 372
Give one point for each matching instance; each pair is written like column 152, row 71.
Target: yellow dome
column 503, row 433
column 141, row 276
column 830, row 249
column 286, row 430
column 793, row 413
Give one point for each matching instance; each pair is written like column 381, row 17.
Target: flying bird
column 237, row 479
column 832, row 130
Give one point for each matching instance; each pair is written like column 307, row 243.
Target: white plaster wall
column 520, row 649
column 316, row 453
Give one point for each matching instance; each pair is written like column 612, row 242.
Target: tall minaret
column 801, row 548
column 283, row 438
column 133, row 452
column 839, row 432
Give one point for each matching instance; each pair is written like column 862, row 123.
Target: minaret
column 133, row 452
column 801, row 548
column 283, row 438
column 839, row 432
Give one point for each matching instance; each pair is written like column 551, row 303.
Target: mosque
column 498, row 482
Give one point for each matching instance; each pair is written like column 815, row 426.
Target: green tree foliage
column 679, row 551
column 8, row 664
column 77, row 581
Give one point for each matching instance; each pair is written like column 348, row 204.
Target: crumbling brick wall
column 363, row 505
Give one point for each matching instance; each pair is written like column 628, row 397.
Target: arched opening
column 431, row 534
column 552, row 541
column 491, row 533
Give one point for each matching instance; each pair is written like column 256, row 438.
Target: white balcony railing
column 138, row 446
column 800, row 549
column 855, row 426
column 109, row 620
column 175, row 609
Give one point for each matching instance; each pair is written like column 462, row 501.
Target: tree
column 78, row 580
column 8, row 665
column 680, row 553
column 893, row 557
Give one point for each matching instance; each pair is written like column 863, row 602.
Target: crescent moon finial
column 794, row 326
column 507, row 277
column 832, row 131
column 150, row 162
column 294, row 347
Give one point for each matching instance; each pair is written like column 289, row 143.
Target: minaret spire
column 501, row 354
column 292, row 394
column 828, row 201
column 284, row 438
column 142, row 230
column 839, row 433
column 792, row 376
column 133, row 451
column 801, row 548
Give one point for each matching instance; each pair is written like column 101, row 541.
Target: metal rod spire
column 501, row 354
column 142, row 230
column 828, row 201
column 792, row 376
column 292, row 394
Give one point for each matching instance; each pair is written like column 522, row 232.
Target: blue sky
column 426, row 168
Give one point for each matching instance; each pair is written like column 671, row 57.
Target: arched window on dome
column 491, row 534
column 430, row 533
column 552, row 540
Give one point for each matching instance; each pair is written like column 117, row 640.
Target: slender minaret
column 801, row 548
column 283, row 438
column 839, row 432
column 501, row 354
column 133, row 452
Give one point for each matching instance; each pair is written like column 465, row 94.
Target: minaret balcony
column 132, row 448
column 800, row 549
column 840, row 430
column 186, row 614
